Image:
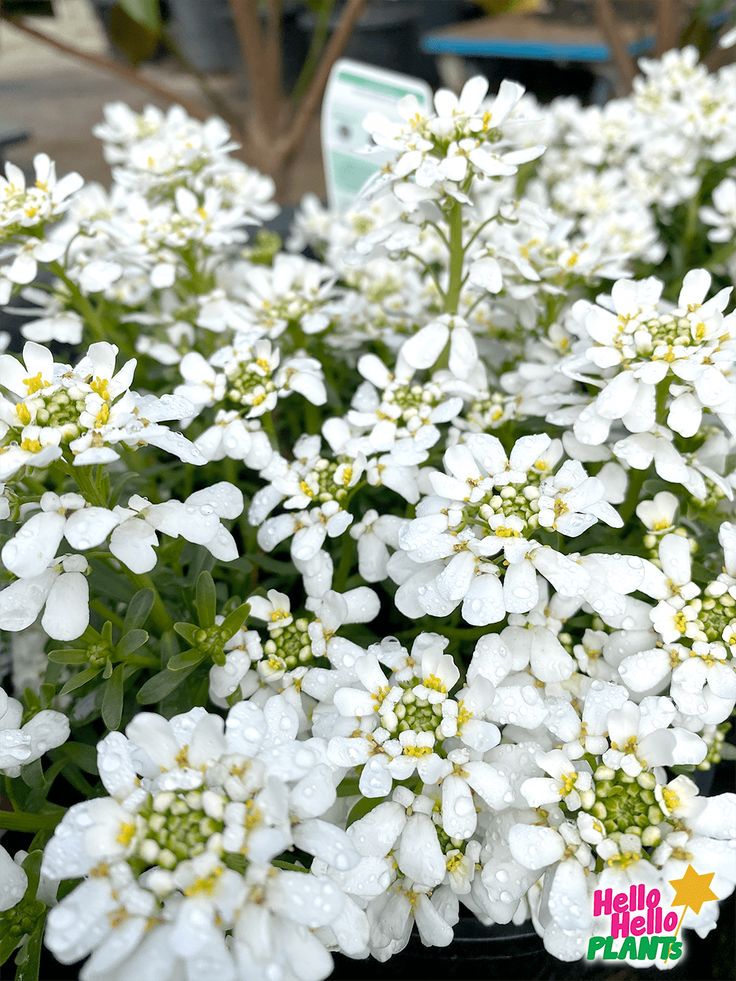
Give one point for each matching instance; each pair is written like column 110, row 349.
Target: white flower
column 30, row 205
column 445, row 148
column 13, row 881
column 641, row 738
column 567, row 780
column 484, row 504
column 374, row 535
column 61, row 591
column 89, row 407
column 198, row 520
column 423, row 350
column 571, row 502
column 295, row 290
column 722, row 215
column 32, row 549
column 22, row 743
column 658, row 515
column 236, row 786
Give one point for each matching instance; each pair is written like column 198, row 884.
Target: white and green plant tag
column 353, row 90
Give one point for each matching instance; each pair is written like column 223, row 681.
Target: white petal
column 13, row 882
column 535, row 847
column 30, row 551
column 420, row 856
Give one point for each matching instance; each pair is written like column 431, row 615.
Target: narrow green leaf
column 130, row 642
column 20, row 821
column 29, row 960
column 112, row 699
column 348, row 787
column 187, row 659
column 68, row 656
column 206, row 599
column 235, row 620
column 32, row 868
column 160, row 685
column 138, row 610
column 8, row 944
column 80, row 679
column 188, row 631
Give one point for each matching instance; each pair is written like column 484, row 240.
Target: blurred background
column 263, row 64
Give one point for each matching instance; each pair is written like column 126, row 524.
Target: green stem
column 270, row 430
column 21, row 821
column 690, row 232
column 633, row 492
column 457, row 255
column 345, row 564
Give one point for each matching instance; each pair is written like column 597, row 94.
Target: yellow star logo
column 693, row 889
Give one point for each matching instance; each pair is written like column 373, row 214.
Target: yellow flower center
column 126, row 834
column 435, row 683
column 204, row 886
column 35, row 382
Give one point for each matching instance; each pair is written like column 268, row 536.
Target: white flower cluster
column 435, row 601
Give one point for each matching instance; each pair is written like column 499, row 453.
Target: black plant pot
column 386, row 34
column 205, row 34
column 499, row 951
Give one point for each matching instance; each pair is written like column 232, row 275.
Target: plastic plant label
column 354, row 89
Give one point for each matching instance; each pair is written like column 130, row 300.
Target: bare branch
column 313, row 96
column 614, row 36
column 274, row 45
column 255, row 57
column 108, row 65
column 667, row 25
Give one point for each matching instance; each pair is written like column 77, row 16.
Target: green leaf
column 68, row 655
column 187, row 659
column 147, row 13
column 32, row 775
column 188, row 631
column 112, row 699
column 363, row 807
column 20, row 821
column 80, row 679
column 29, row 960
column 160, row 685
column 235, row 620
column 83, row 755
column 348, row 787
column 138, row 609
column 8, row 944
column 130, row 642
column 32, row 868
column 206, row 599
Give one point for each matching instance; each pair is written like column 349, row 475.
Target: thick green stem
column 457, row 255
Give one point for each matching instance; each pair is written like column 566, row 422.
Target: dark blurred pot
column 205, row 34
column 499, row 951
column 386, row 33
